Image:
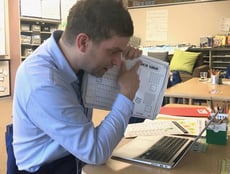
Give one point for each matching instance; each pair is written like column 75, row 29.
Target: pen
column 180, row 127
column 211, row 105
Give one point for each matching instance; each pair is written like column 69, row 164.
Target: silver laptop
column 160, row 151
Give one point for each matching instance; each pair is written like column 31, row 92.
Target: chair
column 227, row 73
column 62, row 165
column 159, row 55
column 174, row 79
column 197, row 67
column 11, row 163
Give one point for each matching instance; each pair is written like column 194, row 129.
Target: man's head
column 99, row 19
column 96, row 35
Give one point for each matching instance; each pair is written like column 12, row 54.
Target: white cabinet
column 46, row 9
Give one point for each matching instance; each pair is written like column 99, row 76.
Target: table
column 193, row 89
column 192, row 163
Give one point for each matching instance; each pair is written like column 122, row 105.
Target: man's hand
column 129, row 80
column 131, row 52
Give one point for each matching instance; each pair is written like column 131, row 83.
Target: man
column 53, row 132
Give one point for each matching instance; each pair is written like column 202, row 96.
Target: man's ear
column 82, row 41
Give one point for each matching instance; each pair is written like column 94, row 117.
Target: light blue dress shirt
column 49, row 121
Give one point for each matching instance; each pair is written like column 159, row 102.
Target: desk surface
column 192, row 163
column 196, row 89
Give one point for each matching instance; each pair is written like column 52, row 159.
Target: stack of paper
column 163, row 127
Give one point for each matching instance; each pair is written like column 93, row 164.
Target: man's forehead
column 115, row 49
column 116, row 43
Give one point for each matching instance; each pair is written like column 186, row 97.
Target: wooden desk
column 193, row 163
column 195, row 89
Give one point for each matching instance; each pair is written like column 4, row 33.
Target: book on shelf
column 100, row 92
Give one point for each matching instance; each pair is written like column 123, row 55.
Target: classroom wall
column 185, row 22
column 4, row 34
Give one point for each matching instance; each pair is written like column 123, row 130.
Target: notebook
column 185, row 111
column 164, row 151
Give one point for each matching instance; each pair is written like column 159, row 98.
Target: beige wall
column 186, row 22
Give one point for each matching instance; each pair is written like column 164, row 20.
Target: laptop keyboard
column 164, row 149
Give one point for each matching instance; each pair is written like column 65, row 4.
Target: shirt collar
column 59, row 58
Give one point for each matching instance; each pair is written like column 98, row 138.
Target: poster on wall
column 2, row 28
column 4, row 77
column 225, row 24
column 156, row 25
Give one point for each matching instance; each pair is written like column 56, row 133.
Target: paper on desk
column 165, row 127
column 152, row 127
column 226, row 82
column 194, row 125
column 224, row 166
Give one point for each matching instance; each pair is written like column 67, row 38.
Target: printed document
column 186, row 126
column 100, row 92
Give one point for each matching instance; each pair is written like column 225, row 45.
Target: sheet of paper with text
column 100, row 92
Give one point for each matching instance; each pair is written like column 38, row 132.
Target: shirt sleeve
column 59, row 115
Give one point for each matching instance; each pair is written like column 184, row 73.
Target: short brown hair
column 99, row 19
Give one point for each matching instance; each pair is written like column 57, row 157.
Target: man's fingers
column 136, row 65
column 123, row 67
column 131, row 52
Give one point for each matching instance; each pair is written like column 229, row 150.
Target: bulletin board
column 5, row 78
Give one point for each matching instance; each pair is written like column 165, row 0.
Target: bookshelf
column 216, row 58
column 33, row 32
column 50, row 15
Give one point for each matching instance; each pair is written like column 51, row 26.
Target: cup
column 203, row 76
column 214, row 79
